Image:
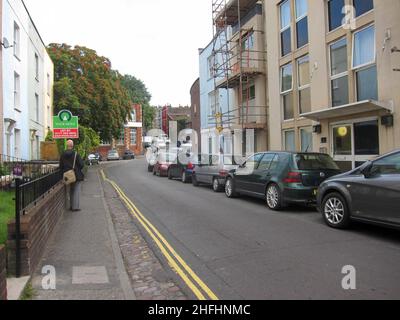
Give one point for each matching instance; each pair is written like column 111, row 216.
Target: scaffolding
column 236, row 63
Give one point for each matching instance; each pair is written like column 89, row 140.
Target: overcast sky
column 157, row 41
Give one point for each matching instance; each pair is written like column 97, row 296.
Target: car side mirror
column 367, row 171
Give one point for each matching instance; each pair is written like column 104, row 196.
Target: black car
column 128, row 155
column 370, row 193
column 281, row 178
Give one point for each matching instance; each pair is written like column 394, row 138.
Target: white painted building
column 27, row 84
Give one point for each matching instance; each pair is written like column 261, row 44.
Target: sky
column 156, row 41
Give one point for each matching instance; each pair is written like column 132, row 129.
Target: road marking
column 167, row 250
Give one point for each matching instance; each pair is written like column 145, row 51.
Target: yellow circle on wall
column 342, row 131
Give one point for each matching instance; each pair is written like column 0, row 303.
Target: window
column 211, row 67
column 290, row 142
column 37, row 111
column 364, row 53
column 339, row 73
column 301, row 23
column 248, row 41
column 303, row 67
column 364, row 47
column 342, row 140
column 213, row 98
column 335, row 13
column 388, row 165
column 363, row 6
column 287, row 91
column 306, row 139
column 17, row 91
column 366, row 138
column 133, row 116
column 36, row 67
column 266, row 161
column 249, row 93
column 286, row 33
column 121, row 140
column 253, row 161
column 133, row 136
column 16, row 40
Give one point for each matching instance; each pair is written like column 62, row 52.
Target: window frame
column 297, row 20
column 17, row 40
column 304, row 87
column 363, row 14
column 284, row 139
column 283, row 29
column 37, row 108
column 302, row 129
column 339, row 75
column 37, row 67
column 328, row 16
column 355, row 68
column 17, row 91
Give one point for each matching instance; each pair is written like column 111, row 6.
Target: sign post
column 66, row 126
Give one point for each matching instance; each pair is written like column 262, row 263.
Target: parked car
column 183, row 167
column 370, row 193
column 163, row 162
column 113, row 155
column 128, row 155
column 281, row 178
column 93, row 159
column 213, row 171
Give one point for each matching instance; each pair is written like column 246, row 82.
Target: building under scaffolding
column 239, row 64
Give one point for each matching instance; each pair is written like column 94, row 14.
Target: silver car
column 370, row 193
column 213, row 171
column 113, row 155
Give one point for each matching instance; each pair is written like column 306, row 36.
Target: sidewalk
column 85, row 253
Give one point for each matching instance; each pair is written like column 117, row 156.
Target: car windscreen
column 315, row 162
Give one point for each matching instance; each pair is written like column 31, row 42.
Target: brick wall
column 3, row 274
column 36, row 228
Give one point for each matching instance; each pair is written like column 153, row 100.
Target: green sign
column 65, row 125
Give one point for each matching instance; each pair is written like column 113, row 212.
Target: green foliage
column 88, row 141
column 86, row 85
column 7, row 212
column 49, row 137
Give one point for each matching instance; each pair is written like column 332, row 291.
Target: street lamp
column 5, row 43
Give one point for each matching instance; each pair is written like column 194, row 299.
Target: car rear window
column 315, row 162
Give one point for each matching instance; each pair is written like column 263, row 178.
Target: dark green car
column 281, row 178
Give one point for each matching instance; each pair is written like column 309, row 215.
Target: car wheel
column 230, row 191
column 149, row 169
column 216, row 185
column 169, row 174
column 154, row 172
column 184, row 177
column 194, row 181
column 335, row 211
column 274, row 197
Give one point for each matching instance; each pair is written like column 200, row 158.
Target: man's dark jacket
column 67, row 163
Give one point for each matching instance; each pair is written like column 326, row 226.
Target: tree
column 87, row 86
column 139, row 94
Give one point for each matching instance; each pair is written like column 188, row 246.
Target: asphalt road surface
column 242, row 250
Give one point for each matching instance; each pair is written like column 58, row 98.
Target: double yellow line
column 198, row 287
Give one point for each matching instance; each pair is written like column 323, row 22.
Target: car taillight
column 293, row 177
column 223, row 173
column 190, row 166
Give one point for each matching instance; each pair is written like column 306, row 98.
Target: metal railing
column 12, row 168
column 28, row 192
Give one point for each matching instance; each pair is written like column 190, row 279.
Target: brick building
column 131, row 135
column 195, row 122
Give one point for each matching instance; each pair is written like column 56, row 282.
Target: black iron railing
column 28, row 192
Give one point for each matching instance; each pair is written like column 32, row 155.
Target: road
column 242, row 250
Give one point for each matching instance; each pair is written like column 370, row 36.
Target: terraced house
column 27, row 84
column 333, row 77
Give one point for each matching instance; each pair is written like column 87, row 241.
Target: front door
column 354, row 143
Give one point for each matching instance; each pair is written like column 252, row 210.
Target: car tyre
column 335, row 211
column 273, row 197
column 194, row 181
column 217, row 187
column 184, row 177
column 150, row 169
column 230, row 189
